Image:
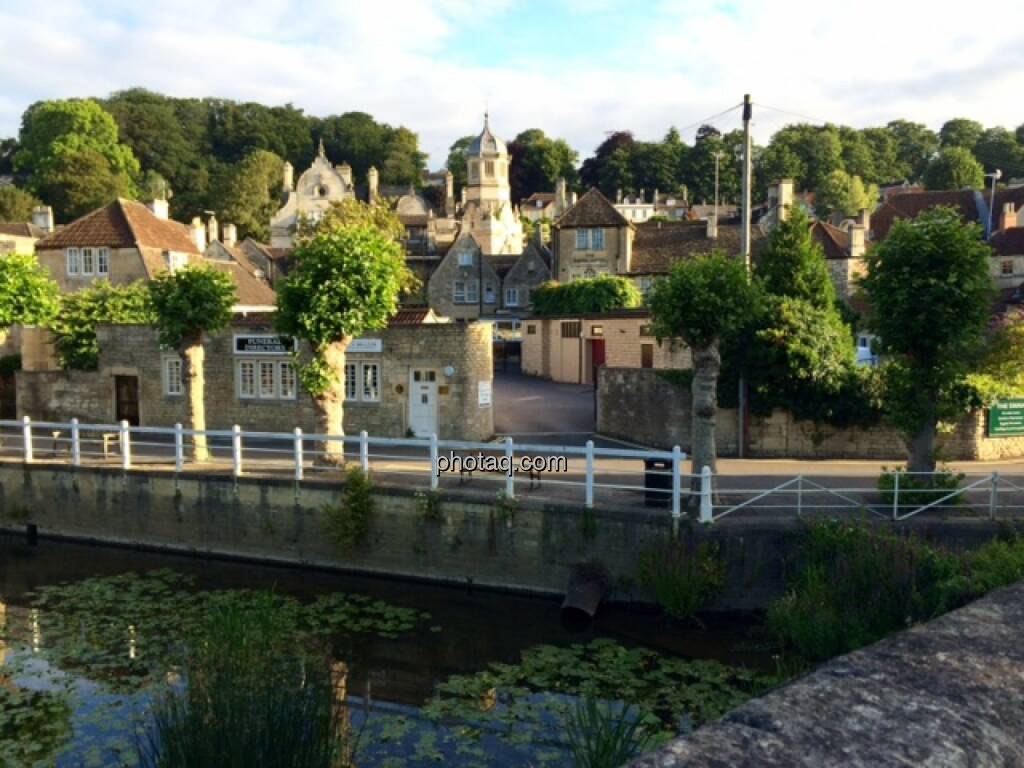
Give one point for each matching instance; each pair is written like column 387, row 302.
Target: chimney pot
column 198, row 234
column 288, row 177
column 1008, row 218
column 42, row 217
column 212, row 229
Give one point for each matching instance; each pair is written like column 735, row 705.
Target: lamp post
column 996, row 175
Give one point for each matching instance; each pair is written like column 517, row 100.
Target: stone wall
column 644, row 407
column 274, row 519
column 134, row 351
column 946, row 693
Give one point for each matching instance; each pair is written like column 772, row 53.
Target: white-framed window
column 597, row 239
column 489, row 295
column 102, row 261
column 267, row 388
column 459, row 291
column 286, row 374
column 1006, row 267
column 466, row 259
column 362, row 382
column 173, row 384
column 582, row 239
column 511, row 297
column 88, row 261
column 472, row 291
column 247, row 378
column 74, row 261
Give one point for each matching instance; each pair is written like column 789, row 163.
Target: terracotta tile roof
column 912, row 204
column 1008, row 242
column 20, row 229
column 835, row 242
column 414, row 316
column 658, row 245
column 592, row 210
column 122, row 224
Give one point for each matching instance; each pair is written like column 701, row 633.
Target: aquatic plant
column 33, row 724
column 684, row 576
column 602, row 735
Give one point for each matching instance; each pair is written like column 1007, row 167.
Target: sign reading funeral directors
column 262, row 344
column 1006, row 419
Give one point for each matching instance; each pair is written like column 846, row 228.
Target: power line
column 793, row 114
column 707, row 120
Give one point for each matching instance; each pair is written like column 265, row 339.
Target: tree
column 960, row 132
column 701, row 301
column 28, row 296
column 600, row 294
column 345, row 281
column 359, row 140
column 609, row 167
column 793, row 264
column 997, row 148
column 74, row 329
column 954, row 168
column 884, row 156
column 73, row 157
column 915, row 145
column 16, row 204
column 537, row 162
column 929, row 289
column 844, row 194
column 456, row 162
column 248, row 193
column 188, row 304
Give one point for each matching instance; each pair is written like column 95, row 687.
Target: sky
column 576, row 69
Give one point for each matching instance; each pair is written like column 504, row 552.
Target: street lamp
column 996, row 175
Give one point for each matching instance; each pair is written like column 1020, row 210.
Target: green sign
column 1006, row 419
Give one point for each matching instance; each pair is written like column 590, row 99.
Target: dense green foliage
column 16, row 204
column 929, row 289
column 74, row 328
column 537, row 162
column 190, row 302
column 954, row 168
column 345, row 281
column 684, row 577
column 249, row 193
column 843, row 193
column 348, row 522
column 792, row 264
column 851, row 585
column 250, row 698
column 916, row 491
column 599, row 294
column 28, row 296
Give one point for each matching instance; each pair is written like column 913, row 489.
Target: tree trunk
column 192, row 357
column 330, row 406
column 921, row 447
column 706, row 366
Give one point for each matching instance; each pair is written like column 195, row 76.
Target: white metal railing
column 590, row 472
column 991, row 493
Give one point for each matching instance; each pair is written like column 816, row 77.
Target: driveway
column 538, row 408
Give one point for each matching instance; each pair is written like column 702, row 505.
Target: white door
column 423, row 402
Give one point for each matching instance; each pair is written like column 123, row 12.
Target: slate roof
column 658, row 245
column 592, row 210
column 502, row 263
column 912, row 204
column 20, row 229
column 835, row 242
column 122, row 224
column 1008, row 242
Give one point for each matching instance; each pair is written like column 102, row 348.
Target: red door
column 597, row 352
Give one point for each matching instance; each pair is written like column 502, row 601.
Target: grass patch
column 684, row 577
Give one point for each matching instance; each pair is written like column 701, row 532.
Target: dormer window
column 175, row 260
column 465, row 259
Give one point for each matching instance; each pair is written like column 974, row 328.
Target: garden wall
column 644, row 407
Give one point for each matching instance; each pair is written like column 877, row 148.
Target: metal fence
column 611, row 477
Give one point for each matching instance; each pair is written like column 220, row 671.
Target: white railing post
column 993, row 496
column 677, row 482
column 297, row 447
column 799, row 495
column 26, row 433
column 126, row 445
column 76, row 444
column 364, row 451
column 236, row 450
column 590, row 475
column 434, row 479
column 896, row 495
column 179, row 447
column 510, row 478
column 706, row 515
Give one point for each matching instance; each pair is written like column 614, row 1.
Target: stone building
column 418, row 375
column 570, row 348
column 318, row 186
column 488, row 214
column 21, row 236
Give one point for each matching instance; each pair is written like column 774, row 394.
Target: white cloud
column 676, row 63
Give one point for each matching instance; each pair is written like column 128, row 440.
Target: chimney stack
column 160, row 208
column 449, row 194
column 346, row 173
column 1008, row 218
column 212, row 229
column 572, row 199
column 858, row 240
column 42, row 217
column 864, row 219
column 784, row 198
column 561, row 196
column 712, row 227
column 654, row 199
column 198, row 232
column 288, row 180
column 230, row 236
column 618, row 195
column 372, row 179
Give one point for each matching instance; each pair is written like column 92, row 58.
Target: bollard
column 236, row 450
column 126, row 445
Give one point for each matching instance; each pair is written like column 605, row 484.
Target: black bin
column 657, row 482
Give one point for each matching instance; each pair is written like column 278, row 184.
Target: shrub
column 599, row 294
column 684, row 577
column 605, row 736
column 918, row 490
column 348, row 523
column 998, row 563
column 428, row 503
column 852, row 585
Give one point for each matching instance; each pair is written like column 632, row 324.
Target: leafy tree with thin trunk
column 345, row 281
column 16, row 204
column 929, row 290
column 187, row 304
column 701, row 301
column 28, row 295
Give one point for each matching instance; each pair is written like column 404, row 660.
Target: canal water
column 392, row 676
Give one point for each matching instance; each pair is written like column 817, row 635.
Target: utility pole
column 745, row 248
column 718, row 157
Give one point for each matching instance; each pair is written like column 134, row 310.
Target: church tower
column 489, row 216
